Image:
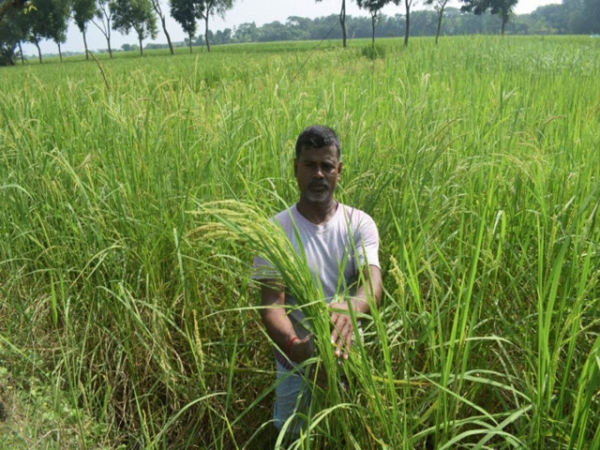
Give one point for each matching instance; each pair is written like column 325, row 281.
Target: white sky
column 243, row 11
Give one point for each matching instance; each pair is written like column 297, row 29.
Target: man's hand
column 301, row 349
column 343, row 329
column 318, row 375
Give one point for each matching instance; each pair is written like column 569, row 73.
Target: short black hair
column 317, row 136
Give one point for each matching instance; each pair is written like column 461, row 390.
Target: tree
column 223, row 36
column 299, row 27
column 8, row 42
column 48, row 20
column 83, row 12
column 14, row 28
column 592, row 12
column 186, row 13
column 104, row 19
column 58, row 23
column 407, row 6
column 136, row 15
column 210, row 8
column 374, row 8
column 553, row 16
column 163, row 20
column 129, row 47
column 439, row 6
column 342, row 21
column 276, row 31
column 247, row 32
column 8, row 5
column 500, row 8
column 576, row 16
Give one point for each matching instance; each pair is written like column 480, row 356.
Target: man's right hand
column 301, row 349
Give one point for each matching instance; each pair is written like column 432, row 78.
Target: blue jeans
column 292, row 396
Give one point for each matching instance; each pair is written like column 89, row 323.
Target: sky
column 243, row 11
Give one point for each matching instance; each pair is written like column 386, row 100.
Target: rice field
column 135, row 192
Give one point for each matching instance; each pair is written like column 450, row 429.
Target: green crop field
column 135, row 191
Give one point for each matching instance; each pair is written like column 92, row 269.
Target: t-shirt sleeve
column 264, row 270
column 367, row 246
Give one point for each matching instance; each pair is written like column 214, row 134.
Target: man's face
column 317, row 171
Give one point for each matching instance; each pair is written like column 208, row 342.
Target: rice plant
column 134, row 197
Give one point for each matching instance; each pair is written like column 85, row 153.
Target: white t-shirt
column 348, row 241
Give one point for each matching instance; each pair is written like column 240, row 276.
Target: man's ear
column 339, row 171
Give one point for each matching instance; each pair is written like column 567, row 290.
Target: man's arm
column 343, row 330
column 278, row 324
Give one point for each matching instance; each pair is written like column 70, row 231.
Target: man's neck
column 317, row 213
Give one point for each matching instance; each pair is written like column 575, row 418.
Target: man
column 339, row 242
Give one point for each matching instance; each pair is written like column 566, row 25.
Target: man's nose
column 318, row 173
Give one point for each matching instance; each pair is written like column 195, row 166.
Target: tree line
column 544, row 20
column 21, row 21
column 572, row 16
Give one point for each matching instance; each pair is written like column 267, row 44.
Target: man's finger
column 341, row 336
column 335, row 319
column 339, row 324
column 348, row 341
column 347, row 336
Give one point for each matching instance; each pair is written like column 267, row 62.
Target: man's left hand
column 343, row 329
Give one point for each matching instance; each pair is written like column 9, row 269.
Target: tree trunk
column 59, row 51
column 105, row 28
column 87, row 55
column 504, row 21
column 373, row 19
column 343, row 22
column 21, row 53
column 206, row 32
column 141, row 46
column 164, row 27
column 107, row 34
column 190, row 42
column 407, row 31
column 37, row 44
column 439, row 25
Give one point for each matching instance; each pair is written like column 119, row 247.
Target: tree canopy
column 187, row 13
column 8, row 5
column 163, row 21
column 134, row 14
column 501, row 8
column 210, row 8
column 439, row 6
column 83, row 12
column 104, row 21
column 374, row 7
column 48, row 20
column 13, row 29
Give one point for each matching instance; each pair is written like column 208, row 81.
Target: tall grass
column 126, row 319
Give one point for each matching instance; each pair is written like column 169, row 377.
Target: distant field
column 266, row 47
column 127, row 314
